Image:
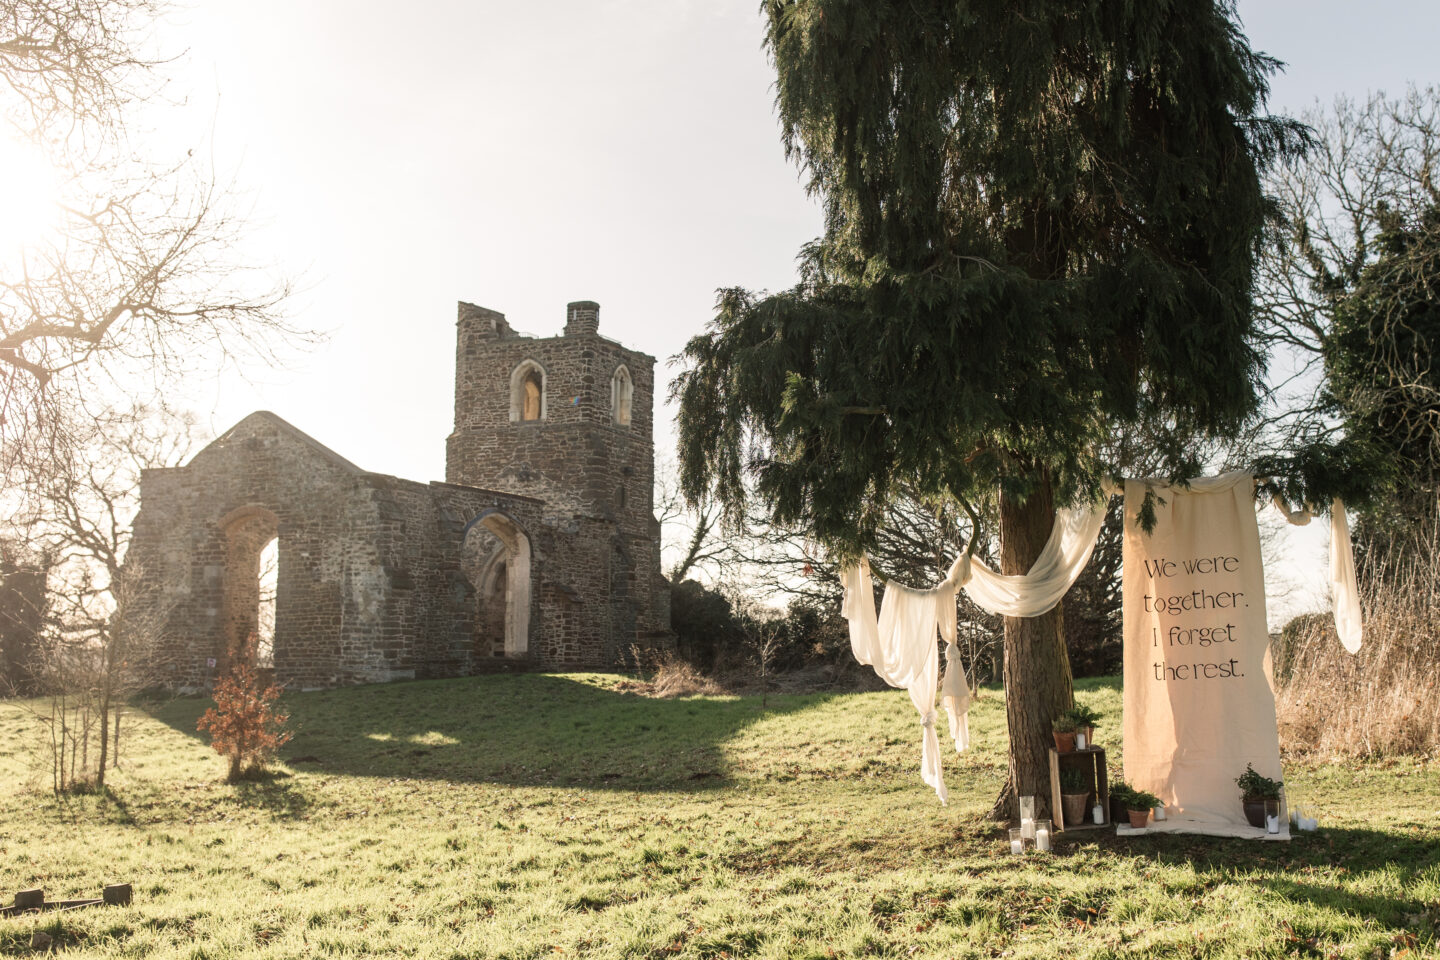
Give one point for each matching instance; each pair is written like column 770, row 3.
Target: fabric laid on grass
column 901, row 647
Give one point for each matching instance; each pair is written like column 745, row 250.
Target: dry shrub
column 676, row 678
column 1383, row 700
column 245, row 725
column 669, row 677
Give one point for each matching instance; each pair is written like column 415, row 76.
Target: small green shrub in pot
column 1085, row 719
column 1256, row 792
column 1063, row 730
column 1138, row 804
column 1074, row 795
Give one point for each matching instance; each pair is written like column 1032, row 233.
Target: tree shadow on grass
column 526, row 729
column 1304, row 870
column 275, row 792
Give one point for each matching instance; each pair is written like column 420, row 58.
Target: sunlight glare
column 29, row 203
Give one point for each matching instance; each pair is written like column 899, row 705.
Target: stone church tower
column 569, row 420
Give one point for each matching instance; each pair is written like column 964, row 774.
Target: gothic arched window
column 527, row 391
column 621, row 392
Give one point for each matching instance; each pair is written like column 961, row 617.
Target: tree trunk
column 1037, row 670
column 104, row 740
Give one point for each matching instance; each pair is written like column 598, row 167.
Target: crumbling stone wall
column 540, row 549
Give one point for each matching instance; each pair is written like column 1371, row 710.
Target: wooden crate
column 1091, row 759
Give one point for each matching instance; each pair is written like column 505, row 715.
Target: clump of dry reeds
column 669, row 676
column 1382, row 701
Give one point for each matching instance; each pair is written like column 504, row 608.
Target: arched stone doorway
column 248, row 590
column 496, row 561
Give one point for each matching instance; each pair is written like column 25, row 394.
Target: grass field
column 555, row 815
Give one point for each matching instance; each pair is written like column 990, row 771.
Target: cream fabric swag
column 901, row 645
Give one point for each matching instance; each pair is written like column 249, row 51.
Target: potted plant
column 1256, row 793
column 1085, row 720
column 1074, row 796
column 1064, row 732
column 1138, row 804
column 1118, row 791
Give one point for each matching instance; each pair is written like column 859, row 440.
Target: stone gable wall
column 374, row 583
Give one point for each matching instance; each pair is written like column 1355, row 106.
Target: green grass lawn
column 554, row 815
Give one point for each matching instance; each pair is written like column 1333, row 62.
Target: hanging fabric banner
column 1199, row 695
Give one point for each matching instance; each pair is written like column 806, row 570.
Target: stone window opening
column 622, row 390
column 527, row 392
column 496, row 560
column 269, row 580
column 250, row 591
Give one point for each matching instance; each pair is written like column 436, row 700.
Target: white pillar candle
column 1098, row 812
column 1042, row 838
column 1160, row 812
column 1272, row 823
column 1079, row 741
column 1017, row 846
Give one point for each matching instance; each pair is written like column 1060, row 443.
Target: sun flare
column 29, row 203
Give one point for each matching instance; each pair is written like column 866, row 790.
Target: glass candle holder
column 1159, row 812
column 1272, row 816
column 1042, row 835
column 1080, row 742
column 1017, row 842
column 1097, row 813
column 1027, row 817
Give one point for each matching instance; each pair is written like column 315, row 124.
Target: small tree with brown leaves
column 245, row 724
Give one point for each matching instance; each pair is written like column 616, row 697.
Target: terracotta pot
column 1076, row 806
column 1139, row 818
column 1254, row 811
column 1064, row 742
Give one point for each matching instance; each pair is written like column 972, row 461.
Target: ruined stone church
column 539, row 549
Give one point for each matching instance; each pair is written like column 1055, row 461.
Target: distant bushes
column 716, row 635
column 1381, row 701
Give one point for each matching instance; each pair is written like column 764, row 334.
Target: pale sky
column 522, row 155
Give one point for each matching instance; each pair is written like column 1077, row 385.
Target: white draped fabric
column 1344, row 590
column 901, row 646
column 1072, row 541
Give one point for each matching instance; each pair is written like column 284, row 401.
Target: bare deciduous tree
column 103, row 619
column 134, row 278
column 1371, row 161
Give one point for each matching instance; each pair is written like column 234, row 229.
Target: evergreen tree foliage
column 1041, row 225
column 1041, row 222
column 1380, row 373
column 1349, row 298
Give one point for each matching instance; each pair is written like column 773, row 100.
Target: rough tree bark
column 1038, row 684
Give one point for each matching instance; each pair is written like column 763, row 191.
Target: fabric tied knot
column 960, row 572
column 928, row 720
column 1296, row 518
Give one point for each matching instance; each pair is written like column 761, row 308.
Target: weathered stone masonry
column 541, row 548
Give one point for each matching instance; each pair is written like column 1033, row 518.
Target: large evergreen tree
column 1041, row 223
